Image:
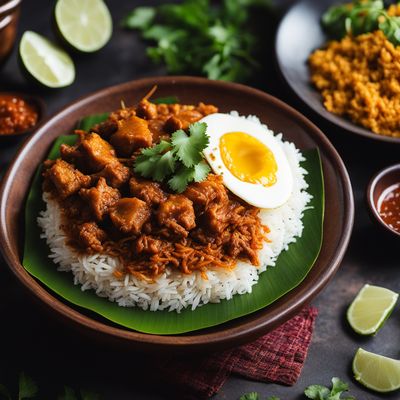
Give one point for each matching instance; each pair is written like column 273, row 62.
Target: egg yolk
column 248, row 159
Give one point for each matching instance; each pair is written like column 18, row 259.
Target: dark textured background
column 55, row 356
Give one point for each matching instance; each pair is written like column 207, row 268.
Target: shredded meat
column 177, row 214
column 107, row 208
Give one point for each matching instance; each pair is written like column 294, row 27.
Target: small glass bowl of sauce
column 383, row 197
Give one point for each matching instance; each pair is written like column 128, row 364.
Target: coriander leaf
column 338, row 386
column 250, row 396
column 157, row 149
column 189, row 148
column 139, row 18
column 201, row 170
column 69, row 394
column 181, row 179
column 154, row 163
column 86, row 395
column 4, row 393
column 165, row 166
column 27, row 388
column 317, row 392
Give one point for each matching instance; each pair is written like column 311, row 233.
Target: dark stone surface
column 56, row 356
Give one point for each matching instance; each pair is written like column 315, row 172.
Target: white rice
column 174, row 290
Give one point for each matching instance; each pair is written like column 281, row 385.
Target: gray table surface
column 55, row 356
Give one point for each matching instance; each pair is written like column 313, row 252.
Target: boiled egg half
column 250, row 160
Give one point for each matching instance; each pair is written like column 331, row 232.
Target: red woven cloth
column 276, row 357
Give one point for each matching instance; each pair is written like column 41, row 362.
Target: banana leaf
column 290, row 270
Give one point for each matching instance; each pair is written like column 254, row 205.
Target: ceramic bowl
column 298, row 35
column 378, row 184
column 227, row 96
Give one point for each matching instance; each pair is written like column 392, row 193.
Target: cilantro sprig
column 319, row 392
column 361, row 16
column 314, row 392
column 199, row 37
column 180, row 160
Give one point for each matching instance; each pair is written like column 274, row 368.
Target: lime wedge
column 376, row 372
column 46, row 62
column 370, row 309
column 84, row 24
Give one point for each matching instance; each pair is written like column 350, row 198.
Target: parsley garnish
column 180, row 160
column 199, row 37
column 361, row 16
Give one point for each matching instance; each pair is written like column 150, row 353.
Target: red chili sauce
column 16, row 115
column 389, row 208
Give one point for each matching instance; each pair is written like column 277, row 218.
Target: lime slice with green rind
column 45, row 62
column 376, row 372
column 370, row 309
column 86, row 25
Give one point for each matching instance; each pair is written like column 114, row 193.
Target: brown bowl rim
column 370, row 196
column 9, row 6
column 37, row 101
column 337, row 120
column 240, row 333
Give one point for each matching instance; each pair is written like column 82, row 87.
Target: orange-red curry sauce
column 16, row 115
column 389, row 209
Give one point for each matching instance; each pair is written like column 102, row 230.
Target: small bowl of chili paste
column 383, row 197
column 19, row 113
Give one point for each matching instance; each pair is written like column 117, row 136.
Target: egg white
column 255, row 194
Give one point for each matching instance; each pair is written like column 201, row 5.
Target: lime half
column 376, row 372
column 84, row 24
column 370, row 309
column 46, row 62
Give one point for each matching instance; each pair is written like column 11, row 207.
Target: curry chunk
column 129, row 215
column 91, row 236
column 148, row 191
column 177, row 214
column 146, row 110
column 91, row 154
column 115, row 174
column 216, row 217
column 66, row 179
column 106, row 129
column 204, row 193
column 100, row 198
column 132, row 134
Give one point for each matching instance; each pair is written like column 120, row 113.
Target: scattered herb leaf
column 250, row 396
column 256, row 396
column 140, row 19
column 199, row 37
column 27, row 388
column 319, row 392
column 181, row 159
column 361, row 16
